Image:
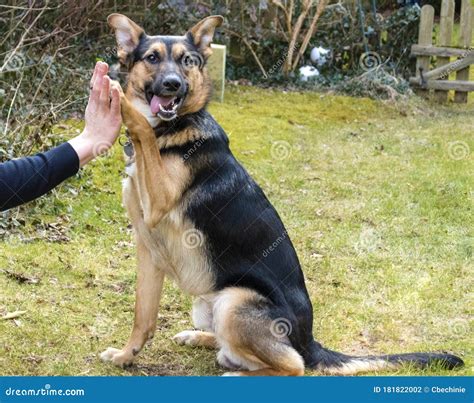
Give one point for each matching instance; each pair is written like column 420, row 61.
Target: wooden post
column 465, row 39
column 425, row 37
column 445, row 34
column 216, row 68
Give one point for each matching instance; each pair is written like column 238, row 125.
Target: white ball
column 307, row 72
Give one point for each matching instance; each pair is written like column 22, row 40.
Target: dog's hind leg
column 247, row 341
column 202, row 319
column 148, row 293
column 196, row 338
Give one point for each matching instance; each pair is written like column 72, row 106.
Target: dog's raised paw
column 186, row 337
column 116, row 357
column 115, row 84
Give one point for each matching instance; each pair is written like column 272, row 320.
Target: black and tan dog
column 200, row 219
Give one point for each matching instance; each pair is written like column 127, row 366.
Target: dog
column 200, row 219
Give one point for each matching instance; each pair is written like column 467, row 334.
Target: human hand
column 102, row 116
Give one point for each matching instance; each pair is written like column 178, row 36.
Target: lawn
column 376, row 197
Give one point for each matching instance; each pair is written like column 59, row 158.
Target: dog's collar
column 127, row 145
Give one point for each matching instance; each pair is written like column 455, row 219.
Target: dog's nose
column 172, row 83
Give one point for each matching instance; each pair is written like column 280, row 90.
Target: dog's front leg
column 148, row 293
column 156, row 188
column 157, row 191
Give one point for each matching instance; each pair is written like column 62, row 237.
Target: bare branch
column 249, row 46
column 319, row 10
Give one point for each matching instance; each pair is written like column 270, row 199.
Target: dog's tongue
column 157, row 101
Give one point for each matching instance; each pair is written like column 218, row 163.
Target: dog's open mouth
column 165, row 108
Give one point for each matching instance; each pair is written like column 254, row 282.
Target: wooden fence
column 463, row 53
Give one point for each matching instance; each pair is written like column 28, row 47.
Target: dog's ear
column 203, row 32
column 127, row 33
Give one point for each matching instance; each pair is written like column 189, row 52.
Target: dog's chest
column 176, row 246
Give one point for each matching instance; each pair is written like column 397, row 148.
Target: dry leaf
column 13, row 315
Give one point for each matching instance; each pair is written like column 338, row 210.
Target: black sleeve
column 25, row 179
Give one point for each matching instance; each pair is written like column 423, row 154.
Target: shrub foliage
column 49, row 48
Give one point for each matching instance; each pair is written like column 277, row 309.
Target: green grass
column 378, row 210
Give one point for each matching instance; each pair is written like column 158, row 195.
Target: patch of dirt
column 20, row 277
column 162, row 369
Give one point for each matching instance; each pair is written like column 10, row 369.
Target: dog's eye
column 152, row 59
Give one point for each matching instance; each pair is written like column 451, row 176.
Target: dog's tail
column 334, row 363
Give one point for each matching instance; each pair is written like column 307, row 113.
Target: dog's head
column 167, row 77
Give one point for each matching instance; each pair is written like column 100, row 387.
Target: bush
column 387, row 39
column 49, row 50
